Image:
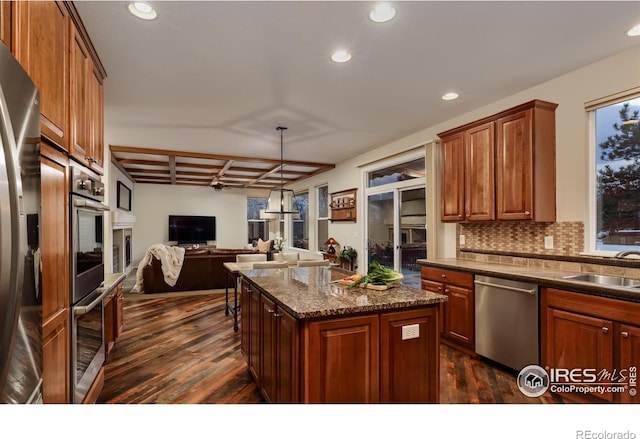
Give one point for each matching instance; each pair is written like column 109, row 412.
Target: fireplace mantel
column 122, row 220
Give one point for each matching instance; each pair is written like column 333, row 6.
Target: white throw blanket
column 170, row 258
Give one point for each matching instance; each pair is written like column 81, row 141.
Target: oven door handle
column 90, row 204
column 80, row 310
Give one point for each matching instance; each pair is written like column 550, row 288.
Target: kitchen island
column 309, row 339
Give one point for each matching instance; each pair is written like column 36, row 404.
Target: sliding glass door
column 396, row 218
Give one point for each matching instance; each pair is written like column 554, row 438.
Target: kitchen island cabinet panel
column 323, row 341
column 403, row 361
column 342, row 360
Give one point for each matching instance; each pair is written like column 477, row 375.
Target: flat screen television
column 190, row 229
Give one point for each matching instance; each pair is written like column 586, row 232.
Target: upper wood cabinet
column 5, row 22
column 86, row 106
column 41, row 46
column 501, row 167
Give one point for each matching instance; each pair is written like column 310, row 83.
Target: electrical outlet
column 548, row 242
column 462, row 239
column 410, row 331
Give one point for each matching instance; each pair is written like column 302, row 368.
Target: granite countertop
column 544, row 277
column 312, row 292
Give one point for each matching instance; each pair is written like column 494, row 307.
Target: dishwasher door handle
column 506, row 287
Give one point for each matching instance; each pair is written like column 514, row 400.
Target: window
column 258, row 228
column 616, row 175
column 323, row 218
column 401, row 172
column 300, row 226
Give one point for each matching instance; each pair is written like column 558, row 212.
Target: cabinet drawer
column 434, row 287
column 447, row 276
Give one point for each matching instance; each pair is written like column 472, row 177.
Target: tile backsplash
column 522, row 243
column 524, row 237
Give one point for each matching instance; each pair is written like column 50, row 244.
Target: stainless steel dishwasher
column 507, row 321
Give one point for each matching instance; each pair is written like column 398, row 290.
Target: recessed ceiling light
column 143, row 10
column 341, row 56
column 634, row 31
column 449, row 96
column 382, row 13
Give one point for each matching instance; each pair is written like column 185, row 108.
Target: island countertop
column 313, row 292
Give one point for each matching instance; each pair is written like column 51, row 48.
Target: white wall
column 152, row 205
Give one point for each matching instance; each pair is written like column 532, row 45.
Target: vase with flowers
column 278, row 243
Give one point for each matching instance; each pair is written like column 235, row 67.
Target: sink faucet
column 625, row 253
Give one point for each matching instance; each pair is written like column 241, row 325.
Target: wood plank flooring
column 183, row 350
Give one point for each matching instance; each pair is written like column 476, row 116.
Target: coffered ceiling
column 215, row 78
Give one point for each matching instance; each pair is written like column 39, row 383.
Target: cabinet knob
column 439, row 288
column 271, row 311
column 625, row 334
column 443, row 275
column 276, row 315
column 446, row 290
column 459, row 216
column 526, row 212
column 605, row 329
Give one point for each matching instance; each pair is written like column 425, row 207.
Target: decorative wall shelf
column 343, row 205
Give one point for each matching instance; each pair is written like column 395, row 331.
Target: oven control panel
column 87, row 183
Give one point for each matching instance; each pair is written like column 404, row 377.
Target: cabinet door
column 514, row 167
column 79, row 62
column 41, row 46
column 460, row 315
column 267, row 349
column 437, row 287
column 341, row 362
column 55, row 280
column 119, row 305
column 254, row 337
column 630, row 361
column 409, row 368
column 576, row 341
column 479, row 193
column 109, row 330
column 5, row 22
column 96, row 120
column 452, row 177
column 287, row 355
column 245, row 319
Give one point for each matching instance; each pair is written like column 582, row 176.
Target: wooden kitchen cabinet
column 41, row 45
column 86, row 144
column 113, row 305
column 501, row 167
column 279, row 353
column 342, row 360
column 5, row 22
column 581, row 331
column 54, row 227
column 402, row 372
column 457, row 314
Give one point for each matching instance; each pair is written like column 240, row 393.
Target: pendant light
column 282, row 201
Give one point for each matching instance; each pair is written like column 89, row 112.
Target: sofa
column 201, row 270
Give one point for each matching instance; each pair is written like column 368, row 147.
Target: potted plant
column 347, row 255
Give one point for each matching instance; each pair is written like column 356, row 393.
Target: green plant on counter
column 377, row 274
column 347, row 254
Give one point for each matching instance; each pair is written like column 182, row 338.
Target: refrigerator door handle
column 11, row 224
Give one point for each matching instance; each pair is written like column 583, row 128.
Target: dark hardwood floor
column 183, row 350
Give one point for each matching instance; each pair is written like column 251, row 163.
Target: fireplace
column 122, row 258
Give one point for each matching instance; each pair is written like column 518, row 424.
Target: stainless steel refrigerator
column 20, row 286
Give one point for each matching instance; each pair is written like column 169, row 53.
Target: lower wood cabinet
column 580, row 331
column 113, row 305
column 457, row 314
column 359, row 358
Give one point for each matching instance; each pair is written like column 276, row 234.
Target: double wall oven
column 87, row 275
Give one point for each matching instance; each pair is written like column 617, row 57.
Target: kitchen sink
column 600, row 279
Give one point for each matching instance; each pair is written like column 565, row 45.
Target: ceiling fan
column 216, row 184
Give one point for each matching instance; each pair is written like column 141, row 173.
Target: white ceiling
column 219, row 77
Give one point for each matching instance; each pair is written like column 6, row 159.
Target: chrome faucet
column 625, row 253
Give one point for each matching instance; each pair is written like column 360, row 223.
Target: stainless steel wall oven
column 87, row 274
